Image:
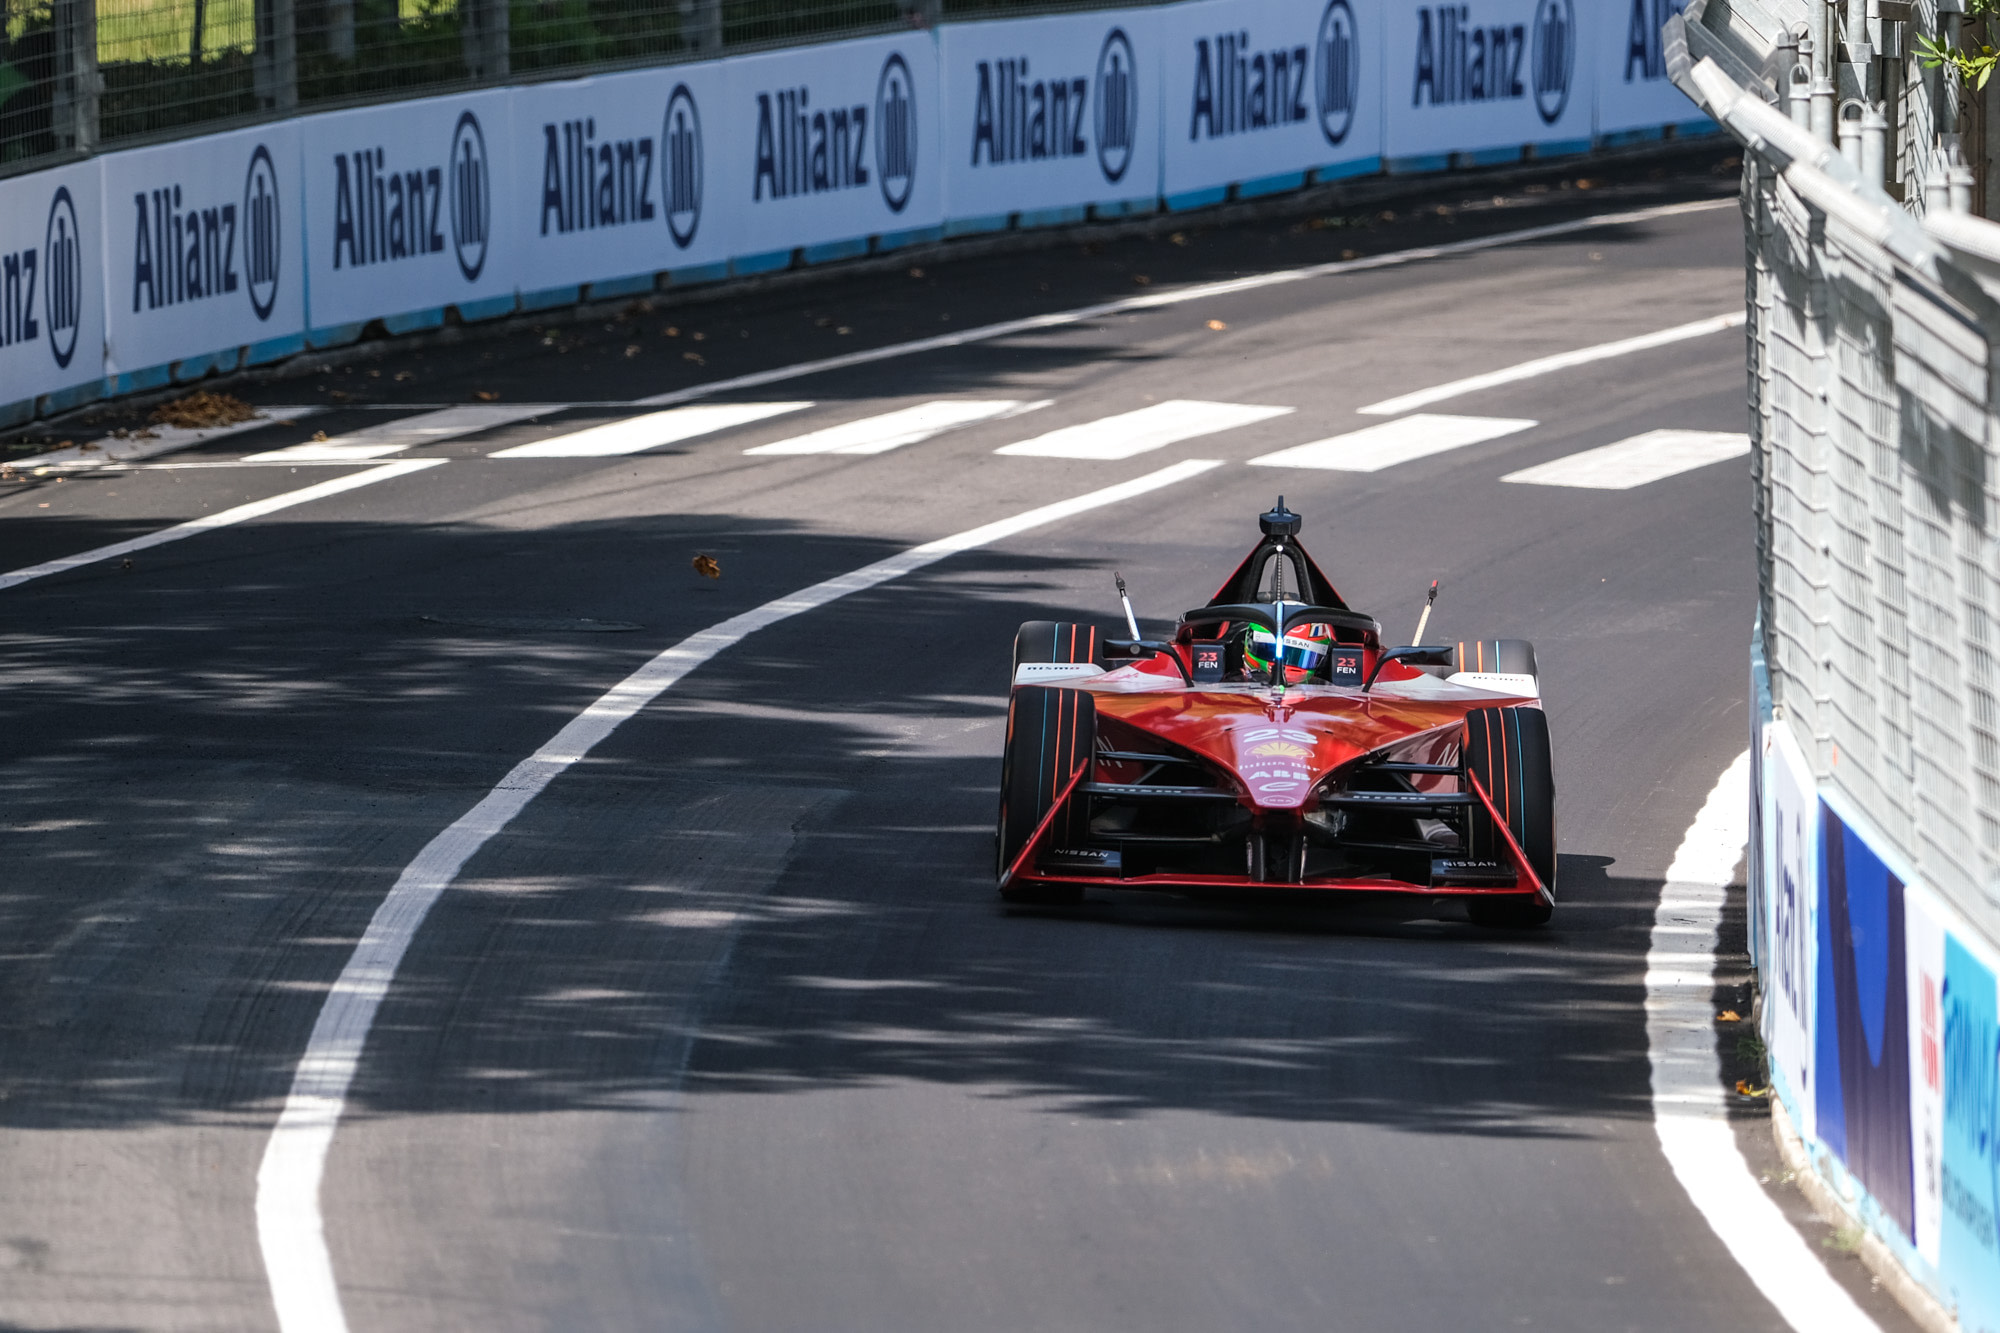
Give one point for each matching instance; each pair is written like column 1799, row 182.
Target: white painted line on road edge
column 392, row 437
column 637, row 434
column 1373, row 448
column 290, row 1231
column 1653, row 456
column 209, row 522
column 1142, row 431
column 1548, row 365
column 1172, row 296
column 1688, row 1110
column 893, row 430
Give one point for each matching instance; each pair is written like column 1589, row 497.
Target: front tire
column 1507, row 750
column 1051, row 735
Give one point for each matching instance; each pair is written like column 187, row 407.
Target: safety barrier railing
column 1873, row 302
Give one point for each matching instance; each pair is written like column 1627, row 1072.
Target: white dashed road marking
column 892, row 430
column 638, row 434
column 1142, row 431
column 1376, row 447
column 1656, row 455
column 405, row 433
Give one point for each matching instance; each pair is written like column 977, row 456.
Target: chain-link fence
column 81, row 75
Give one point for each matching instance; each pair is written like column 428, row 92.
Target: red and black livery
column 1178, row 764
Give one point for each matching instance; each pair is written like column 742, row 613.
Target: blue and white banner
column 614, row 176
column 1486, row 74
column 51, row 281
column 827, row 143
column 1791, row 860
column 201, row 247
column 401, row 206
column 1633, row 90
column 1050, row 113
column 1259, row 88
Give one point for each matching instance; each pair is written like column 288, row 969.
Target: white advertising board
column 201, row 246
column 1050, row 112
column 612, row 176
column 1255, row 88
column 1791, row 929
column 51, row 281
column 827, row 143
column 401, row 205
column 1487, row 74
column 1633, row 90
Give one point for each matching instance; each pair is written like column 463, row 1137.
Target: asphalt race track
column 728, row 1030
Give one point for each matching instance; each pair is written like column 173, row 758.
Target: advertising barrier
column 1264, row 91
column 201, row 247
column 51, row 281
column 173, row 261
column 1051, row 113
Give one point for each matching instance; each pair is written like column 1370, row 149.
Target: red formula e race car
column 1273, row 742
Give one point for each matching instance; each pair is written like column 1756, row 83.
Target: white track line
column 1172, row 296
column 1142, row 431
column 209, row 522
column 1688, row 1107
column 893, row 430
column 1548, row 365
column 1653, row 456
column 392, row 437
column 1373, row 448
column 638, row 434
column 290, row 1230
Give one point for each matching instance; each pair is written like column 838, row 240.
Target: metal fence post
column 483, row 37
column 75, row 96
column 340, row 29
column 701, row 25
column 275, row 65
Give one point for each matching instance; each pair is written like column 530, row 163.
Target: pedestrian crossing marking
column 892, row 430
column 1650, row 457
column 1147, row 429
column 637, row 434
column 393, row 437
column 1376, row 447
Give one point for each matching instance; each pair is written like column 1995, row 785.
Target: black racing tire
column 1512, row 657
column 1051, row 733
column 1507, row 750
column 1057, row 641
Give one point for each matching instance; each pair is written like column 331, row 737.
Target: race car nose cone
column 1279, row 764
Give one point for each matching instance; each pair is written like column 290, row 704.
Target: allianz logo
column 1645, row 42
column 803, row 149
column 57, row 268
column 1460, row 60
column 1240, row 89
column 1020, row 118
column 589, row 183
column 187, row 249
column 385, row 212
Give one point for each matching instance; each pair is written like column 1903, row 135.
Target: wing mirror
column 1415, row 655
column 1151, row 648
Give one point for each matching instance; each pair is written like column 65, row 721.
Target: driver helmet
column 1305, row 650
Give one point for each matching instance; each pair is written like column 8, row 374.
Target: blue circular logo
column 1117, row 104
column 261, row 234
column 895, row 133
column 1338, row 72
column 62, row 280
column 471, row 193
column 1555, row 57
column 680, row 170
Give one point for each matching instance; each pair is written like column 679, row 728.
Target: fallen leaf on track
column 695, row 357
column 1216, row 326
column 707, row 567
column 1729, row 1016
column 1743, row 1086
column 203, row 409
column 486, row 395
column 319, row 437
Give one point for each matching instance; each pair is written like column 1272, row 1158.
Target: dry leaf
column 1586, row 185
column 706, row 566
column 698, row 337
column 1729, row 1016
column 403, row 375
column 1141, row 280
column 1386, row 215
column 823, row 322
column 1743, row 1086
column 1178, row 238
column 670, row 332
column 319, row 437
column 126, row 563
column 203, row 409
column 843, row 330
column 916, row 273
column 1350, row 254
column 695, row 357
column 631, row 349
column 486, row 395
column 1216, row 325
